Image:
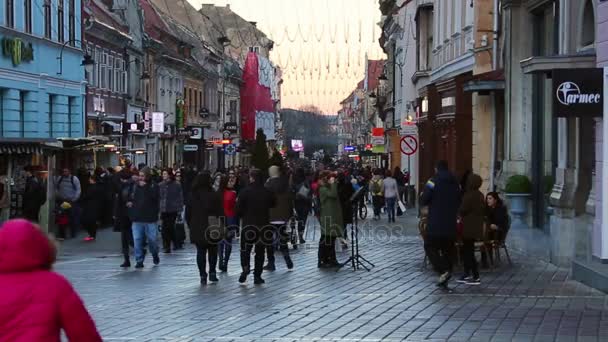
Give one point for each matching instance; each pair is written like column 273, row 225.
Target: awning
column 26, row 146
column 488, row 81
column 545, row 64
column 115, row 126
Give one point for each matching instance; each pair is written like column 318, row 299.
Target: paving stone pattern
column 397, row 300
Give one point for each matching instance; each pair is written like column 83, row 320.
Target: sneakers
column 464, row 279
column 139, row 265
column 289, row 263
column 126, row 264
column 203, row 280
column 258, row 281
column 156, row 259
column 269, row 267
column 243, row 277
column 474, row 281
column 89, row 239
column 213, row 278
column 444, row 278
column 223, row 268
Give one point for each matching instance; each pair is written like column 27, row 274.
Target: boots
column 126, row 263
column 288, row 262
column 301, row 236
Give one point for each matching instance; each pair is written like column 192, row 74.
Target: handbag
column 303, row 192
column 216, row 232
column 401, row 206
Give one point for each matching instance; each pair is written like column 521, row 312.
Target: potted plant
column 517, row 190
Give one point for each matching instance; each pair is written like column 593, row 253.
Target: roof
column 185, row 14
column 230, row 23
column 101, row 13
column 375, row 69
column 153, row 24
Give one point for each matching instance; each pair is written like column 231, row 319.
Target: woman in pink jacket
column 35, row 302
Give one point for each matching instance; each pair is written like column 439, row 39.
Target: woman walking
column 391, row 195
column 472, row 212
column 91, row 203
column 376, row 187
column 122, row 222
column 232, row 223
column 497, row 219
column 171, row 204
column 303, row 201
column 36, row 304
column 203, row 203
column 330, row 219
column 345, row 192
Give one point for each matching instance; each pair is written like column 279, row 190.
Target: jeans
column 390, row 207
column 168, row 230
column 282, row 237
column 126, row 236
column 225, row 246
column 378, row 202
column 145, row 231
column 470, row 263
column 440, row 252
column 203, row 251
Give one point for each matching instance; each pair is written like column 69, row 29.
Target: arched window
column 588, row 25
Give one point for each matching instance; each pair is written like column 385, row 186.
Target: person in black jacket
column 34, row 194
column 442, row 196
column 143, row 211
column 253, row 206
column 203, row 203
column 122, row 222
column 497, row 219
column 345, row 192
column 91, row 204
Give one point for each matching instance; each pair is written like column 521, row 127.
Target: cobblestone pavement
column 397, row 300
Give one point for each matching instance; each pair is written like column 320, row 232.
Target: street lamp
column 87, row 62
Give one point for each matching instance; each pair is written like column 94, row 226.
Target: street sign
column 408, row 145
column 196, row 133
column 230, row 149
column 190, row 148
column 378, row 140
column 226, row 134
column 349, row 148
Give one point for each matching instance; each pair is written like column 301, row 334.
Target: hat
column 66, row 206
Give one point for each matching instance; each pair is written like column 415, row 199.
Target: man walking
column 442, row 196
column 253, row 205
column 144, row 208
column 279, row 215
column 67, row 187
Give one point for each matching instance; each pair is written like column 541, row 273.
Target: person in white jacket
column 391, row 194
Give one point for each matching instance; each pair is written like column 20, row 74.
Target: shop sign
column 158, row 122
column 231, row 126
column 17, row 50
column 578, row 92
column 196, row 133
column 190, row 148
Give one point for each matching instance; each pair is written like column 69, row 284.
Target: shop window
column 2, row 94
column 22, row 95
column 48, row 25
column 60, row 22
column 10, row 13
column 27, row 16
column 51, row 98
column 71, row 104
column 588, row 25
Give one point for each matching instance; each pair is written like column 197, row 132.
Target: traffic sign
column 226, row 134
column 408, row 145
column 230, row 149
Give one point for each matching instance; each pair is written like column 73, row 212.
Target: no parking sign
column 408, row 145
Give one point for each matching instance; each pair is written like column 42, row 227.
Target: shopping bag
column 401, row 206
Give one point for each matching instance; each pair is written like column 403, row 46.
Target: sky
column 319, row 44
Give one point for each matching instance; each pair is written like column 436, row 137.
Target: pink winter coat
column 36, row 303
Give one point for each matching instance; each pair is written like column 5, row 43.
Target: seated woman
column 497, row 220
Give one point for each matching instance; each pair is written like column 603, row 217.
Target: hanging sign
column 158, row 122
column 578, row 92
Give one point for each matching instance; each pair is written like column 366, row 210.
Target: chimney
column 228, row 6
column 255, row 24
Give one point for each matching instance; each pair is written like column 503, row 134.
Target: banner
column 255, row 98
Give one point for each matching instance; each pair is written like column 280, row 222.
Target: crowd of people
column 459, row 210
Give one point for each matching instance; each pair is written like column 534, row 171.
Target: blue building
column 41, row 95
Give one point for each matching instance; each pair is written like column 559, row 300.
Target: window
column 22, row 114
column 60, row 22
column 255, row 49
column 97, row 69
column 103, row 74
column 88, row 76
column 233, row 105
column 48, row 25
column 190, row 100
column 10, row 13
column 118, row 74
column 588, row 31
column 27, row 15
column 71, row 22
column 125, row 82
column 200, row 100
column 71, row 104
column 424, row 41
column 110, row 76
column 2, row 112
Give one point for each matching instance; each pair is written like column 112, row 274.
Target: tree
column 259, row 155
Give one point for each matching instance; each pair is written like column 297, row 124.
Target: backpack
column 376, row 187
column 71, row 180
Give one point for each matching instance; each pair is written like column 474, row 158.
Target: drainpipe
column 493, row 96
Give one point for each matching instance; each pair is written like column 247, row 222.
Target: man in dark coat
column 34, row 195
column 253, row 206
column 442, row 196
column 345, row 192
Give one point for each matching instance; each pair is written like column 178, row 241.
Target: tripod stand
column 356, row 259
